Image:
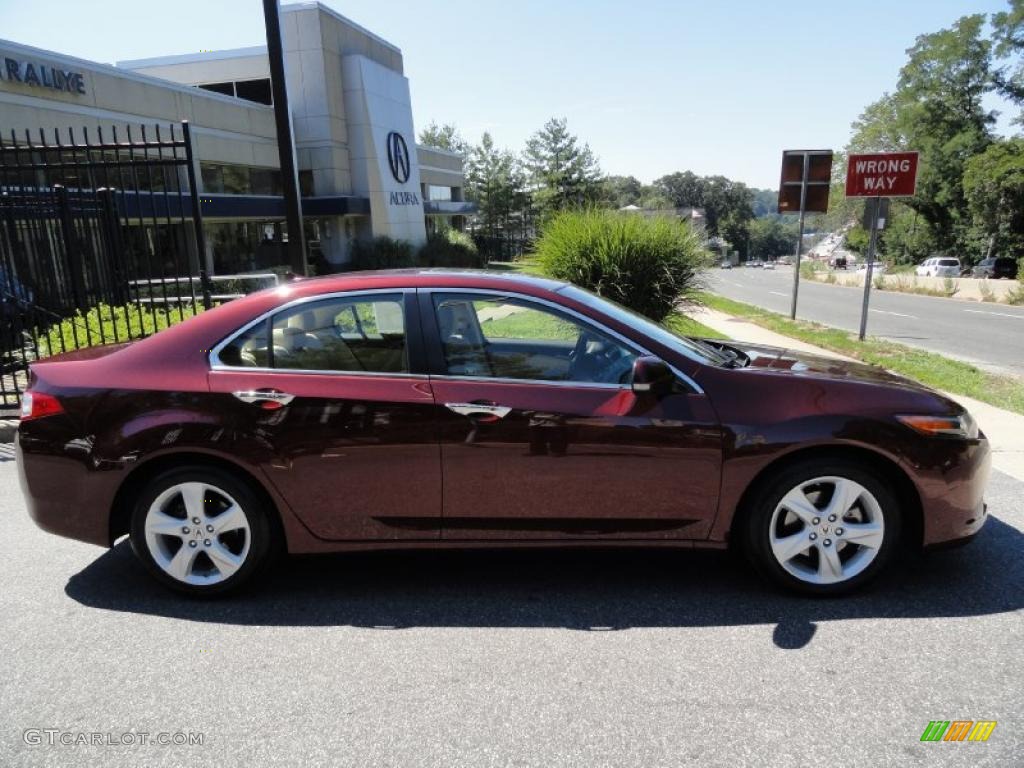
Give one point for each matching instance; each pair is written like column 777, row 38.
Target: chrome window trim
column 214, row 356
column 697, row 389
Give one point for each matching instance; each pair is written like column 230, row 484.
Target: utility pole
column 285, row 140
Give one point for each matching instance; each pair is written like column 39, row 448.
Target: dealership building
column 361, row 173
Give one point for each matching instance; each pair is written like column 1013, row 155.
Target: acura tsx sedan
column 475, row 409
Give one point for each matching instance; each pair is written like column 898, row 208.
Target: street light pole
column 285, row 141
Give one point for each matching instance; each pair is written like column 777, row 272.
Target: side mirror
column 653, row 376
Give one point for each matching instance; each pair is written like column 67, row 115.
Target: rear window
column 949, row 263
column 1004, row 262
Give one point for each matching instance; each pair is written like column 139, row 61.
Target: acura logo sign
column 398, row 157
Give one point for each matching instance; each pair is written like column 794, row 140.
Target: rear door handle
column 479, row 409
column 264, row 396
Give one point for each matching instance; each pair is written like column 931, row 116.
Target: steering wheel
column 609, row 364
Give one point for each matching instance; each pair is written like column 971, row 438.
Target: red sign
column 888, row 174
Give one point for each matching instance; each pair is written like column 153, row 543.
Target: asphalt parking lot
column 513, row 658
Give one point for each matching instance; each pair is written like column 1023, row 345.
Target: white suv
column 939, row 266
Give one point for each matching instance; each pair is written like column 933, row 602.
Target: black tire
column 756, row 524
column 261, row 544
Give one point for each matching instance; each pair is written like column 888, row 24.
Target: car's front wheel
column 200, row 531
column 823, row 527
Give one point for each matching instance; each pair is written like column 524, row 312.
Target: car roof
column 421, row 278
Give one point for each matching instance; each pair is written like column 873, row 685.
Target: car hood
column 780, row 360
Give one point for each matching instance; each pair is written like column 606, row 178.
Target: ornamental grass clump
column 648, row 264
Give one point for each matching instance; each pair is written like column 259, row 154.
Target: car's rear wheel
column 200, row 530
column 823, row 527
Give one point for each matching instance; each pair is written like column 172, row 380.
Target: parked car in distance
column 768, row 265
column 785, row 261
column 837, row 262
column 879, row 268
column 996, row 267
column 939, row 266
column 726, row 265
column 328, row 415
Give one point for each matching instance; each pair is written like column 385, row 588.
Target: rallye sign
column 888, row 174
column 41, row 75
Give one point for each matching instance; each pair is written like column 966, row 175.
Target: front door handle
column 266, row 396
column 479, row 409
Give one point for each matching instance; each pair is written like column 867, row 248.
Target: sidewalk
column 1005, row 429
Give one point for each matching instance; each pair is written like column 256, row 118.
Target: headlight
column 963, row 425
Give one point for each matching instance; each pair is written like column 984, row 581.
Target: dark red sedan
column 431, row 408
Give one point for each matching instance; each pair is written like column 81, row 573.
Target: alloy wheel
column 197, row 533
column 827, row 530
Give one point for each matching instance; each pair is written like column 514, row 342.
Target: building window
column 228, row 89
column 306, row 183
column 225, row 179
column 439, row 194
column 254, row 90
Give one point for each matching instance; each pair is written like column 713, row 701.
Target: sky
column 653, row 86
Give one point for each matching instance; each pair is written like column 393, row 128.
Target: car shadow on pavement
column 591, row 590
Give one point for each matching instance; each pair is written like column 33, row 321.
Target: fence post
column 111, row 228
column 197, row 218
column 71, row 252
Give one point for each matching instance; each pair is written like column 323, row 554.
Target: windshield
column 684, row 345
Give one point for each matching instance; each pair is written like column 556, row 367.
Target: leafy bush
column 648, row 264
column 451, row 248
column 950, row 288
column 987, row 294
column 106, row 324
column 382, row 253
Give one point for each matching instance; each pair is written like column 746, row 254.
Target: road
column 988, row 335
column 530, row 659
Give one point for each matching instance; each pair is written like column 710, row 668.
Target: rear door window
column 363, row 333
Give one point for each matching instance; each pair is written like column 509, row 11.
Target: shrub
column 106, row 324
column 648, row 264
column 809, row 269
column 382, row 253
column 987, row 294
column 451, row 248
column 879, row 281
column 950, row 288
column 1015, row 295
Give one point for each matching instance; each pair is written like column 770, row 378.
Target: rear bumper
column 61, row 497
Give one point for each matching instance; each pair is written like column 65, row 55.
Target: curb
column 7, row 430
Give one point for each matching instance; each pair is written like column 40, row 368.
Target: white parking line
column 1000, row 314
column 898, row 314
column 776, row 293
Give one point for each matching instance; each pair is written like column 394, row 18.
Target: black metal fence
column 101, row 241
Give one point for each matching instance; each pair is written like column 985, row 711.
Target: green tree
column 994, row 187
column 1008, row 35
column 727, row 204
column 562, row 172
column 771, row 237
column 937, row 109
column 623, row 190
column 495, row 181
column 446, row 137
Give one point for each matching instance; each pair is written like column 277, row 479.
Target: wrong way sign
column 886, row 174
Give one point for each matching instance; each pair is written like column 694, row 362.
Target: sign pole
column 800, row 234
column 875, row 203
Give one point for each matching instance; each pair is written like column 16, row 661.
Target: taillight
column 35, row 405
